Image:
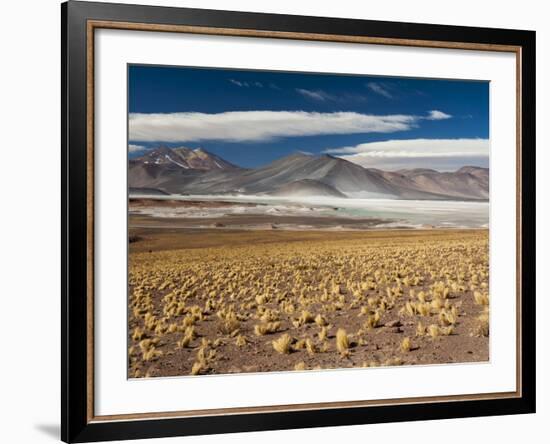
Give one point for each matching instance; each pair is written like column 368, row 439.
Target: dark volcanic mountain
column 186, row 171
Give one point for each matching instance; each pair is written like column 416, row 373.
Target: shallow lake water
column 411, row 213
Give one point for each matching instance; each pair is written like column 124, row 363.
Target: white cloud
column 441, row 154
column 238, row 83
column 323, row 96
column 414, row 147
column 379, row 89
column 242, row 84
column 438, row 115
column 239, row 126
column 135, row 148
column 315, row 95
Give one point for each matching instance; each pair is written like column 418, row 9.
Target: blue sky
column 253, row 117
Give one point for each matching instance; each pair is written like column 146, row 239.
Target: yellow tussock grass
column 300, row 366
column 434, row 331
column 323, row 334
column 481, row 298
column 310, row 347
column 282, row 344
column 264, row 329
column 342, row 341
column 240, row 341
column 138, row 334
column 320, row 320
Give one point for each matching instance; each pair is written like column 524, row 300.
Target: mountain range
column 196, row 171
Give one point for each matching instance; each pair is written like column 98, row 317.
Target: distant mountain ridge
column 186, row 158
column 187, row 171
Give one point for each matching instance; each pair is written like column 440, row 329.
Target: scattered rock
column 394, row 323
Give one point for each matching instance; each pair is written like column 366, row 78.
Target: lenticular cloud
column 242, row 126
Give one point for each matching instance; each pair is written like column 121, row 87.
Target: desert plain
column 239, row 293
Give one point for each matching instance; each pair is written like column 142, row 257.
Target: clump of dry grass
column 199, row 367
column 188, row 321
column 188, row 336
column 447, row 317
column 423, row 309
column 267, row 328
column 269, row 316
column 203, row 359
column 147, row 343
column 261, row 299
column 300, row 366
column 323, row 333
column 240, row 341
column 305, row 318
column 440, row 290
column 150, row 321
column 229, row 324
column 148, row 350
column 434, row 331
column 481, row 298
column 406, row 345
column 437, row 304
column 161, row 328
column 410, row 308
column 342, row 341
column 373, row 321
column 152, row 354
column 320, row 320
column 373, row 302
column 282, row 344
column 393, row 361
column 138, row 334
column 367, row 364
column 310, row 347
column 482, row 327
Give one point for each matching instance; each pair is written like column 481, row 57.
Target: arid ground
column 221, row 300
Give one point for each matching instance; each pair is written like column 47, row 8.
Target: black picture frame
column 76, row 423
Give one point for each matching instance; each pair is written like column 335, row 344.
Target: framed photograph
column 276, row 221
